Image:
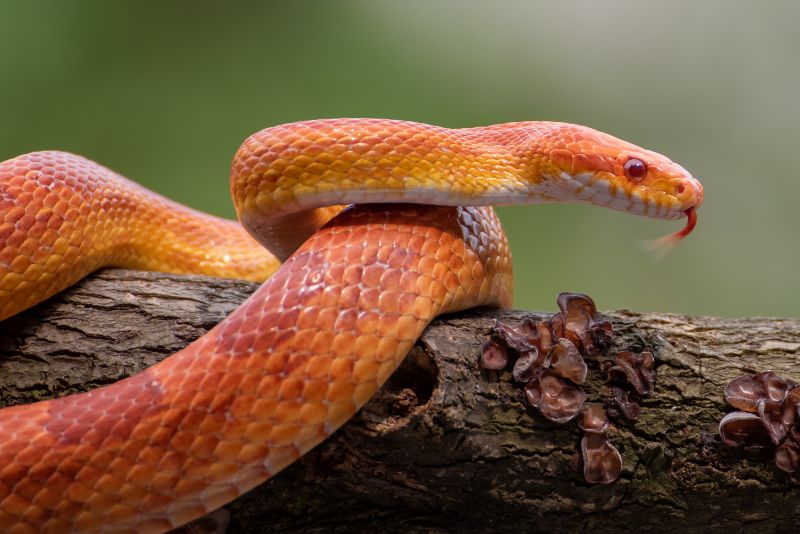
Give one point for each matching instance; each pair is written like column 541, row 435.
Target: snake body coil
column 354, row 291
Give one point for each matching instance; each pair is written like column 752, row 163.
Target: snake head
column 589, row 166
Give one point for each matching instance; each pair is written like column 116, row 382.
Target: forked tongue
column 663, row 245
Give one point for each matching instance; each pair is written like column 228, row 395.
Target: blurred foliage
column 164, row 92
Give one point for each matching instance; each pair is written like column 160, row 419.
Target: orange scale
column 364, row 391
column 14, row 506
column 371, row 276
column 87, row 521
column 365, row 370
column 343, row 343
column 20, row 263
column 330, row 296
column 46, row 498
column 366, row 323
column 244, row 343
column 352, row 254
column 406, row 303
column 7, row 230
column 335, row 274
column 214, row 423
column 369, row 254
column 291, row 388
column 317, row 366
column 398, row 254
column 323, row 341
column 283, row 435
column 202, row 447
column 368, row 299
column 346, row 320
column 308, row 317
column 352, row 274
column 440, row 271
column 389, row 302
column 257, row 432
column 27, row 489
column 302, row 346
column 195, row 414
column 313, row 391
column 184, row 487
column 40, row 472
column 220, row 403
column 451, row 282
column 430, row 249
column 250, row 322
column 107, row 484
column 341, row 390
column 390, row 279
column 339, row 413
column 408, row 328
column 387, row 348
column 227, row 451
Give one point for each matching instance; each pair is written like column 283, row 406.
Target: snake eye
column 635, row 169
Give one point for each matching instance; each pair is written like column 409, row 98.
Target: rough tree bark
column 445, row 447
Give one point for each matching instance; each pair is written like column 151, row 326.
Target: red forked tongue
column 691, row 222
column 665, row 244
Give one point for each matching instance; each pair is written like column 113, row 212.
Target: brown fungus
column 771, row 414
column 791, row 407
column 526, row 365
column 556, row 325
column 638, row 369
column 555, row 398
column 744, row 393
column 743, row 429
column 540, row 335
column 787, row 456
column 567, row 362
column 629, row 409
column 493, row 356
column 602, row 463
column 579, row 316
column 775, row 386
column 514, row 338
column 602, row 335
column 594, row 419
column 794, row 434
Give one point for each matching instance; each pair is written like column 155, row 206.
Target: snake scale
column 348, row 290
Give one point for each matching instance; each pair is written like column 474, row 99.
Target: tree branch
column 445, row 446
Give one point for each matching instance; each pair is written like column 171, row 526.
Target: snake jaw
column 602, row 189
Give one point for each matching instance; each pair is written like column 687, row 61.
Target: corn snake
column 350, row 291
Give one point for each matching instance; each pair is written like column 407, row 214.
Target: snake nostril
column 681, row 189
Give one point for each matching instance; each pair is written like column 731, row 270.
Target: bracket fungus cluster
column 549, row 355
column 548, row 360
column 768, row 415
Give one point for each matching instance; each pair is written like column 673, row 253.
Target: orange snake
column 322, row 334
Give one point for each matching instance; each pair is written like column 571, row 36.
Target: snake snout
column 689, row 191
column 698, row 192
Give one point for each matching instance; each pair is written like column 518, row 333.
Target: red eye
column 635, row 169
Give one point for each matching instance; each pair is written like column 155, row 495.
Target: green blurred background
column 164, row 92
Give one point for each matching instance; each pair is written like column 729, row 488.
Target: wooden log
column 446, row 447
